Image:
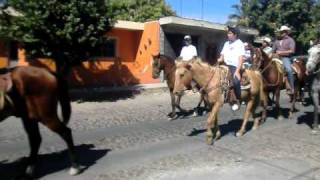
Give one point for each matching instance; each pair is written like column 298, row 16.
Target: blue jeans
column 236, row 82
column 287, row 67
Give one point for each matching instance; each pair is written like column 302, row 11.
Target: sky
column 213, row 10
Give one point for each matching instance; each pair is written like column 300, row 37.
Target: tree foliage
column 63, row 30
column 140, row 10
column 268, row 15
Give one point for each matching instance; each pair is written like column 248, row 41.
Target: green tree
column 268, row 15
column 64, row 30
column 140, row 10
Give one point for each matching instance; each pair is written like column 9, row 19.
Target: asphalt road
column 129, row 137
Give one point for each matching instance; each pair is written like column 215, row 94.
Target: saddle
column 279, row 64
column 5, row 86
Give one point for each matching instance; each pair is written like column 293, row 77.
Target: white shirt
column 188, row 52
column 268, row 50
column 231, row 52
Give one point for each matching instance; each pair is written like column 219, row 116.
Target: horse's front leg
column 32, row 129
column 247, row 113
column 172, row 114
column 178, row 104
column 211, row 123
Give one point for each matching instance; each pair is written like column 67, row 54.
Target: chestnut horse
column 34, row 97
column 274, row 78
column 215, row 83
column 167, row 65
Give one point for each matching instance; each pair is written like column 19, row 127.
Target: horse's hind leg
column 65, row 133
column 32, row 129
column 278, row 109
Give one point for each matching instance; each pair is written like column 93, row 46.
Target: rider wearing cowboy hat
column 285, row 48
column 188, row 51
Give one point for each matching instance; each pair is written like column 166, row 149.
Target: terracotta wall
column 131, row 66
column 3, row 55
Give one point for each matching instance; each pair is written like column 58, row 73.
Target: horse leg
column 196, row 110
column 278, row 110
column 178, row 104
column 217, row 130
column 293, row 105
column 315, row 98
column 211, row 123
column 34, row 137
column 245, row 118
column 172, row 114
column 65, row 133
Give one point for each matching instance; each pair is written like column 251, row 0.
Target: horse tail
column 64, row 98
column 263, row 96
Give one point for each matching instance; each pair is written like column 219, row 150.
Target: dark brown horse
column 274, row 78
column 167, row 65
column 34, row 97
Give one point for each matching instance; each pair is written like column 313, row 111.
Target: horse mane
column 202, row 63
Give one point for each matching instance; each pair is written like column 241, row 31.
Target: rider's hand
column 237, row 75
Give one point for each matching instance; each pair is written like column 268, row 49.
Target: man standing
column 188, row 50
column 285, row 48
column 232, row 54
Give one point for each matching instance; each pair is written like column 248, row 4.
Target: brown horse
column 274, row 78
column 214, row 82
column 34, row 97
column 167, row 65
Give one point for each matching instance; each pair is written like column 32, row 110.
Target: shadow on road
column 306, row 118
column 231, row 127
column 53, row 162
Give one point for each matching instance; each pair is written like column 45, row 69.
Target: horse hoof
column 74, row 171
column 195, row 114
column 239, row 134
column 314, row 131
column 280, row 118
column 30, row 171
column 209, row 140
column 254, row 128
column 218, row 135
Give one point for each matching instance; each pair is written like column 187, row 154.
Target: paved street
column 129, row 137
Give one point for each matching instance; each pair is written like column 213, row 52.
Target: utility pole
column 201, row 9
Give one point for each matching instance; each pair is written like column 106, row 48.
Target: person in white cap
column 285, row 47
column 188, row 51
column 266, row 41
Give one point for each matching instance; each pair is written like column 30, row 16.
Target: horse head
column 183, row 76
column 156, row 65
column 313, row 58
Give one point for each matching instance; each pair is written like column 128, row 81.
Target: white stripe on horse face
column 314, row 56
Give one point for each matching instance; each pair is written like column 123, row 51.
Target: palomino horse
column 313, row 68
column 214, row 82
column 273, row 77
column 33, row 97
column 167, row 65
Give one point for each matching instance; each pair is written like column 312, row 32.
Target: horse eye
column 181, row 75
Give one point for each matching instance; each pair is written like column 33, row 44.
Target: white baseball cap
column 187, row 37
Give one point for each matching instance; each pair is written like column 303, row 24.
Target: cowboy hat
column 266, row 39
column 284, row 28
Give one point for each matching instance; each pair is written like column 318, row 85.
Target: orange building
column 126, row 57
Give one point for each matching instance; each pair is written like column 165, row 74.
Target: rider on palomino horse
column 285, row 48
column 233, row 55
